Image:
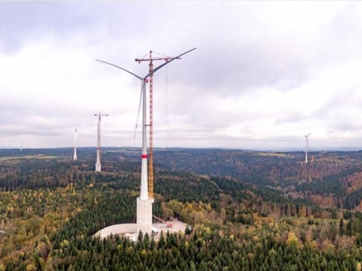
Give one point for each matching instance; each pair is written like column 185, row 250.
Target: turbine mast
column 75, row 145
column 144, row 182
column 98, row 164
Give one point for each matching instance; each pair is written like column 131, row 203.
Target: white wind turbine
column 144, row 202
column 306, row 147
column 75, row 145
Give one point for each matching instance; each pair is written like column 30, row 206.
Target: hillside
column 330, row 179
column 249, row 210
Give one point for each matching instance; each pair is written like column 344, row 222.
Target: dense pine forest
column 248, row 210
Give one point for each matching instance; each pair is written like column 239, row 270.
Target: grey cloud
column 290, row 117
column 239, row 50
column 20, row 21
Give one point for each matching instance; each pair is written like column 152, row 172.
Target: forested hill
column 249, row 210
column 331, row 179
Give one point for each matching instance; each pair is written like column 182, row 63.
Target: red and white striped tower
column 144, row 202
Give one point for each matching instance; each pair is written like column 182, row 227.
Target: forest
column 248, row 210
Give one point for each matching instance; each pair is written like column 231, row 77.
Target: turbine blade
column 306, row 140
column 139, row 77
column 139, row 109
column 172, row 59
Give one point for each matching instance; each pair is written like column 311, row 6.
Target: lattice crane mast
column 150, row 167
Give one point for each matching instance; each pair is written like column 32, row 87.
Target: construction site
column 130, row 230
column 146, row 221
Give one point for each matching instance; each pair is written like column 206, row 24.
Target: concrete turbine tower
column 98, row 164
column 75, row 145
column 144, row 202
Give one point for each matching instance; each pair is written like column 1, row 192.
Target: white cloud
column 264, row 74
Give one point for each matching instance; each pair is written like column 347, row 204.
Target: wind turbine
column 75, row 145
column 144, row 202
column 306, row 147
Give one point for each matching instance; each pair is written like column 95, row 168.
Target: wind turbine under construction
column 306, row 147
column 144, row 202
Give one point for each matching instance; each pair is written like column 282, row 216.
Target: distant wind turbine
column 75, row 145
column 306, row 147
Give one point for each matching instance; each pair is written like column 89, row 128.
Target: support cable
column 166, row 110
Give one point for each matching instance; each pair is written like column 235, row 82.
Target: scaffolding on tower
column 150, row 166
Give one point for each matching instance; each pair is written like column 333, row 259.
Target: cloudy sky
column 264, row 74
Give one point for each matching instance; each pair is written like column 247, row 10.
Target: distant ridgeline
column 330, row 179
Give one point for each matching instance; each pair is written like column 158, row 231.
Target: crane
column 168, row 224
column 150, row 167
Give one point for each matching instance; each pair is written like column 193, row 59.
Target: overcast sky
column 264, row 74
